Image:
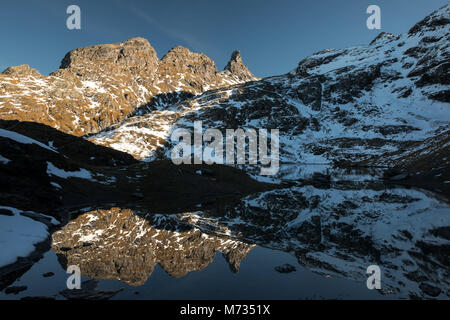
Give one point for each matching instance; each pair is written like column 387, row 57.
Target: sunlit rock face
column 98, row 86
column 124, row 245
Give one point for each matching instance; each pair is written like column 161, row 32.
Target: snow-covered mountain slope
column 101, row 85
column 336, row 106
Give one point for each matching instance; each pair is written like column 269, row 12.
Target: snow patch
column 23, row 139
column 18, row 235
column 82, row 173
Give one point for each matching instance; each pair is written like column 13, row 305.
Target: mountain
column 99, row 86
column 339, row 106
column 335, row 107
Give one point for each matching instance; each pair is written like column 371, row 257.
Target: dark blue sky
column 273, row 36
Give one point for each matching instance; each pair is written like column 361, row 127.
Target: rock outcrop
column 136, row 56
column 236, row 68
column 21, row 71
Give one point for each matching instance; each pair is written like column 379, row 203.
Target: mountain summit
column 236, row 67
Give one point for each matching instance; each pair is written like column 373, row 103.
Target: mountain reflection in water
column 124, row 245
column 335, row 231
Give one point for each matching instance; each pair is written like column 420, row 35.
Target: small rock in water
column 285, row 268
column 206, row 172
column 429, row 289
column 48, row 274
column 15, row 290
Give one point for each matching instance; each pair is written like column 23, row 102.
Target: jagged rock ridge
column 100, row 85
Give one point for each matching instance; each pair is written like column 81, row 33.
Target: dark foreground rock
column 15, row 289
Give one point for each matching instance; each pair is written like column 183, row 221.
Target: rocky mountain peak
column 178, row 51
column 133, row 54
column 100, row 85
column 181, row 59
column 236, row 57
column 236, row 67
column 432, row 22
column 383, row 36
column 23, row 70
column 189, row 71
